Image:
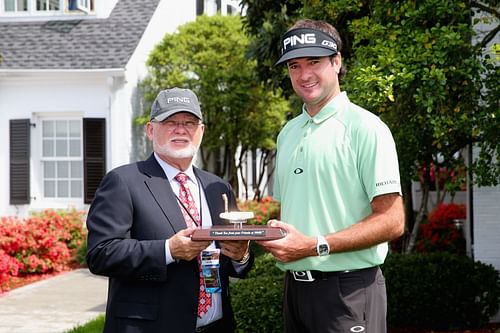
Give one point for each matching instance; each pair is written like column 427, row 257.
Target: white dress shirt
column 215, row 311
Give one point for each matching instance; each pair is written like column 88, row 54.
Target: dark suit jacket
column 133, row 212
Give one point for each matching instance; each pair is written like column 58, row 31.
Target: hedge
column 434, row 291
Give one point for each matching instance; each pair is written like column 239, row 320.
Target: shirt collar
column 331, row 108
column 171, row 171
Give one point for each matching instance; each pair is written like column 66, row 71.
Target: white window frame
column 37, row 185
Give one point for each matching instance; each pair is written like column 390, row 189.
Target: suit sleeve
column 112, row 251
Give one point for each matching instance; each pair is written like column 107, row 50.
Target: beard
column 165, row 149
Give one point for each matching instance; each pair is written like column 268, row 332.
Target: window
column 44, row 5
column 51, row 7
column 84, row 5
column 16, row 5
column 69, row 159
column 212, row 7
column 62, row 161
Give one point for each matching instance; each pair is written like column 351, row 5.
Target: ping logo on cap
column 301, row 39
column 306, row 42
column 178, row 100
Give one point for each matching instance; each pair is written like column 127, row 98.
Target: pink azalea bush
column 40, row 244
column 264, row 210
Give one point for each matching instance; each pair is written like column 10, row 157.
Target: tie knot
column 181, row 177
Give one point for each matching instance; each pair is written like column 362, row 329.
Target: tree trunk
column 239, row 169
column 267, row 157
column 409, row 213
column 422, row 212
column 231, row 170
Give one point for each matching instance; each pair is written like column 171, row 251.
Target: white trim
column 49, row 73
column 15, row 17
column 109, row 71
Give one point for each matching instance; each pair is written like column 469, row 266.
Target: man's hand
column 182, row 247
column 234, row 249
column 293, row 246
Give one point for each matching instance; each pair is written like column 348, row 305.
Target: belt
column 310, row 276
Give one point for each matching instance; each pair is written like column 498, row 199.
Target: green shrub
column 257, row 300
column 81, row 253
column 440, row 291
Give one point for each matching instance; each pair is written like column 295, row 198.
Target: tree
column 486, row 167
column 415, row 67
column 413, row 64
column 208, row 56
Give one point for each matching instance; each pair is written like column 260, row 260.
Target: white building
column 69, row 92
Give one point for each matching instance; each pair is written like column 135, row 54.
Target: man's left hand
column 234, row 249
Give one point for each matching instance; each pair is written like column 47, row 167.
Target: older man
column 140, row 225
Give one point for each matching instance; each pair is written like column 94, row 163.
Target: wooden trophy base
column 237, row 232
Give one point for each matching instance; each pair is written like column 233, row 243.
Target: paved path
column 54, row 305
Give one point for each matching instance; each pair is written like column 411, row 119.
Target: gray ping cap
column 171, row 101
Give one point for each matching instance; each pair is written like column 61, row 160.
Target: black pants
column 353, row 301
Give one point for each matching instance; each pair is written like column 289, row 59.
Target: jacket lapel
column 214, row 198
column 157, row 183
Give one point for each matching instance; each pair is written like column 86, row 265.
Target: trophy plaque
column 237, row 229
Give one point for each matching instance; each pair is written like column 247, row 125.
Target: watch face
column 322, row 249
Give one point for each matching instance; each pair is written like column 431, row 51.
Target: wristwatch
column 322, row 247
column 245, row 258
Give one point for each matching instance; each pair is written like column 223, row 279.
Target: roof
column 76, row 44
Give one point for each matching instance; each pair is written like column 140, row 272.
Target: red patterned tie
column 205, row 299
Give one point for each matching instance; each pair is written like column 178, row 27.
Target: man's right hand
column 183, row 248
column 294, row 246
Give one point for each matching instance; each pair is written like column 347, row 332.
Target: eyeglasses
column 189, row 125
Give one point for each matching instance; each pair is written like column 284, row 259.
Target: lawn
column 93, row 326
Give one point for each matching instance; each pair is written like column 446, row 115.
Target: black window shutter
column 94, row 155
column 200, row 7
column 19, row 130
